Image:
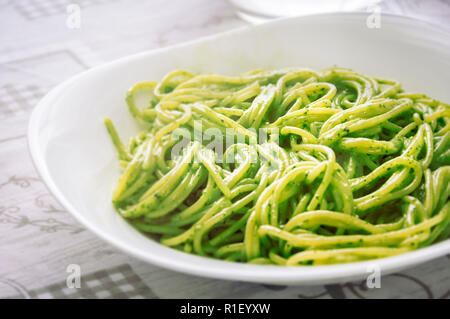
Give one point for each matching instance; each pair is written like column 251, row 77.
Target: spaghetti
column 287, row 167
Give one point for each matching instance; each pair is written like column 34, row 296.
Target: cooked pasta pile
column 307, row 167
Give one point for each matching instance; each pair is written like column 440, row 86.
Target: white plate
column 76, row 159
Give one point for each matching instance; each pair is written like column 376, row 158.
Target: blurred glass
column 257, row 11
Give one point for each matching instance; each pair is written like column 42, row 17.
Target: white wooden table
column 38, row 239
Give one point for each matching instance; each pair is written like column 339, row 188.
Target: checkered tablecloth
column 116, row 282
column 39, row 240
